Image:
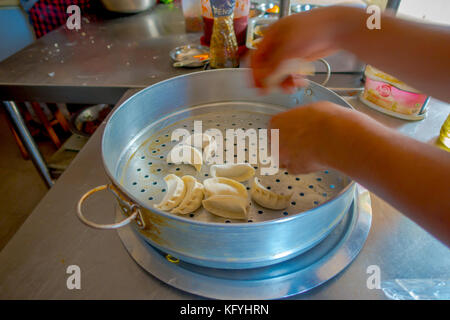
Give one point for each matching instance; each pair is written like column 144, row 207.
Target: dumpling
column 227, row 206
column 209, row 145
column 226, row 198
column 175, row 193
column 205, row 138
column 184, row 153
column 209, row 151
column 288, row 67
column 224, row 186
column 193, row 198
column 235, row 171
column 268, row 199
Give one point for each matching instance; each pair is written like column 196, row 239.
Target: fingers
column 268, row 42
column 261, row 69
column 291, row 37
column 288, row 85
column 271, row 51
column 297, row 164
column 297, row 139
column 291, row 84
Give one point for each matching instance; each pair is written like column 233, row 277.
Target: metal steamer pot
column 128, row 6
column 136, row 141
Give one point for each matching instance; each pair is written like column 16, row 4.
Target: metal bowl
column 91, row 113
column 128, row 6
column 135, row 145
column 187, row 52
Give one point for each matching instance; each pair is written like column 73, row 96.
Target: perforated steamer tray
column 144, row 167
column 137, row 140
column 147, row 165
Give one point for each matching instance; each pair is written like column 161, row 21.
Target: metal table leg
column 28, row 142
column 285, row 8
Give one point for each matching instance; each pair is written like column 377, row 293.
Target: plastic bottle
column 192, row 12
column 240, row 20
column 223, row 48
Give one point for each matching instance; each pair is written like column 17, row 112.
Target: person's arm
column 412, row 176
column 416, row 53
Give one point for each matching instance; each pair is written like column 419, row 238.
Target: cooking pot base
column 297, row 275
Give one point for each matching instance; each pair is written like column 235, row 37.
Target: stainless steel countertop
column 99, row 62
column 33, row 264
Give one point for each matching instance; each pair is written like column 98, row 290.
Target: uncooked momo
column 209, row 145
column 184, row 153
column 193, row 197
column 288, row 67
column 235, row 171
column 227, row 206
column 224, row 186
column 226, row 198
column 268, row 199
column 175, row 193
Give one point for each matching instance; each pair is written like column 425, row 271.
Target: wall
column 437, row 11
column 15, row 31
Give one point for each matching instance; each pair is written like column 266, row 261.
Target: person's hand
column 412, row 176
column 307, row 134
column 310, row 35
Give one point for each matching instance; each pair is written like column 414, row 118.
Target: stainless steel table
column 96, row 64
column 101, row 61
column 33, row 264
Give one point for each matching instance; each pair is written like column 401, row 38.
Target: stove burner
column 297, row 275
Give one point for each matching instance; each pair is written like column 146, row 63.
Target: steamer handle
column 134, row 211
column 327, row 65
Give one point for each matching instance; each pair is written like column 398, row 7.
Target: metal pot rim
column 130, row 196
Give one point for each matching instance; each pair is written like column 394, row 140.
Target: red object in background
column 240, row 22
column 47, row 15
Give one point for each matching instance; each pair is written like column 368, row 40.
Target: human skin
column 412, row 176
column 414, row 52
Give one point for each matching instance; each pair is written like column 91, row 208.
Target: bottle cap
column 222, row 8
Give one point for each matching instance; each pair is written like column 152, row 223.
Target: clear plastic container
column 192, row 11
